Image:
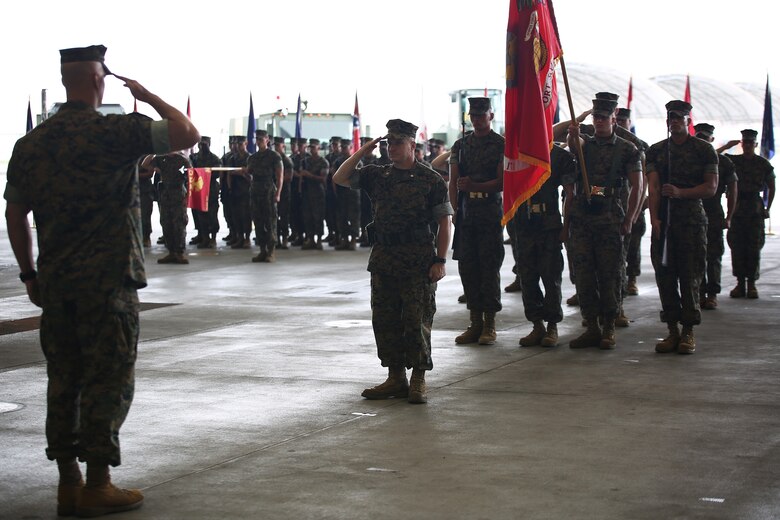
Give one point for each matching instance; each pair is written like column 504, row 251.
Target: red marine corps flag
column 532, row 53
column 198, row 193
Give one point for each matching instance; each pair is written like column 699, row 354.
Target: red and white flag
column 532, row 53
column 687, row 99
column 356, row 125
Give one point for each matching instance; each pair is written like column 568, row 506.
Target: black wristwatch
column 439, row 260
column 29, row 275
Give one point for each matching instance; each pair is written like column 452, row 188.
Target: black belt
column 748, row 195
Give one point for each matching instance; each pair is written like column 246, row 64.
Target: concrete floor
column 248, row 405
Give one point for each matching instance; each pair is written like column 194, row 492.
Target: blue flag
column 251, row 146
column 768, row 130
column 29, row 117
column 298, row 119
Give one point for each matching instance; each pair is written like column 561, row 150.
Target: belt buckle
column 598, row 191
column 476, row 195
column 537, row 208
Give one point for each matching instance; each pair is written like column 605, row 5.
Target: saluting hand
column 138, row 91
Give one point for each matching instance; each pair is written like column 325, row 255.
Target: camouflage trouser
column 264, row 215
column 348, row 212
column 570, row 262
column 539, row 257
column 296, row 209
column 678, row 282
column 402, row 316
column 227, row 209
column 173, row 217
column 241, row 213
column 512, row 232
column 480, row 255
column 746, row 239
column 147, row 207
column 313, row 211
column 331, row 208
column 596, row 254
column 710, row 283
column 211, row 217
column 283, row 211
column 634, row 258
column 90, row 348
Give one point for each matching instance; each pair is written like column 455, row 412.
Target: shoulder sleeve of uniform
column 711, row 160
column 13, row 195
column 160, row 143
column 453, row 158
column 439, row 199
column 651, row 157
column 633, row 159
column 363, row 178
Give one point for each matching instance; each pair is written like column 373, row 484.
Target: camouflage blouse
column 404, row 202
column 77, row 172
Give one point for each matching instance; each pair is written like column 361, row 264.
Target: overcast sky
column 402, row 57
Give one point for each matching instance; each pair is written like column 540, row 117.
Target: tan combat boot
column 170, row 258
column 535, row 337
column 631, row 287
column 417, row 390
column 396, row 385
column 515, row 286
column 622, row 320
column 687, row 344
column 573, row 300
column 590, row 338
column 670, row 343
column 270, row 257
column 752, row 292
column 260, row 257
column 474, row 331
column 710, row 302
column 550, row 339
column 608, row 336
column 107, row 499
column 488, row 336
column 739, row 290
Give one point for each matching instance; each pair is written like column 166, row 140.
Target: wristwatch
column 29, row 275
column 439, row 260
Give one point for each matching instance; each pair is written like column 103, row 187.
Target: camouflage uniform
column 262, row 167
column 173, row 200
column 224, row 193
column 716, row 221
column 403, row 299
column 746, row 235
column 632, row 254
column 679, row 281
column 239, row 197
column 209, row 220
column 479, row 248
column 283, row 208
column 296, row 196
column 595, row 246
column 348, row 207
column 148, row 193
column 314, row 197
column 86, row 205
column 537, row 227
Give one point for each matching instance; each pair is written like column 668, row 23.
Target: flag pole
column 578, row 146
